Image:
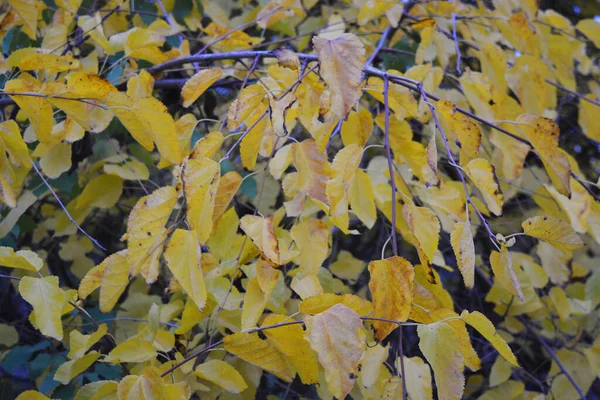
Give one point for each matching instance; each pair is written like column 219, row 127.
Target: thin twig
column 65, row 208
column 393, row 233
column 557, row 360
column 582, row 97
column 455, row 37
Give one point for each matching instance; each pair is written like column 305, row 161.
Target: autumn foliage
column 363, row 199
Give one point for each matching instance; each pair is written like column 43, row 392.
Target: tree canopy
column 365, row 199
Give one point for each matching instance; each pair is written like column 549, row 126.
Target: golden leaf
column 200, row 178
column 262, row 233
column 464, row 250
column 322, row 302
column 146, row 231
column 198, row 84
column 391, row 286
column 47, row 300
column 222, row 374
column 111, row 276
column 483, row 174
column 554, row 231
column 183, row 257
column 290, row 341
column 253, row 349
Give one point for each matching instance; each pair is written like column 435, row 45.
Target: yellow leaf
column 103, row 192
column 560, row 301
column 47, row 300
column 266, row 275
column 259, row 129
column 543, row 134
column 140, row 86
column 132, row 171
column 192, row 315
column 418, row 378
column 79, row 344
column 362, row 199
column 587, row 118
column 391, row 285
column 280, row 116
column 208, row 145
column 228, row 187
column 500, row 372
column 343, row 171
column 312, row 238
column 464, row 250
column 159, row 124
column 251, row 348
column 425, row 227
column 255, row 301
column 554, row 231
column 591, row 29
column 54, row 63
column 197, row 85
column 133, row 350
column 21, row 259
column 200, row 179
column 400, row 99
column 262, row 233
column 320, row 303
column 111, row 276
column 146, row 231
column 307, row 286
column 28, row 12
column 313, row 170
column 502, row 267
column 346, row 266
column 287, row 58
column 483, row 174
column 148, row 386
column 56, row 160
column 357, row 128
column 341, row 63
column 31, row 395
column 70, row 369
column 247, row 101
column 89, row 86
column 493, row 64
column 98, row 390
column 460, row 129
column 37, row 109
column 183, row 256
column 221, row 374
column 290, row 341
column 483, row 325
column 437, row 341
column 123, row 107
column 337, row 336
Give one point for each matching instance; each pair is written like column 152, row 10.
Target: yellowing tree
column 299, row 198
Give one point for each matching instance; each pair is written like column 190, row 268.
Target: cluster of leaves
column 227, row 199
